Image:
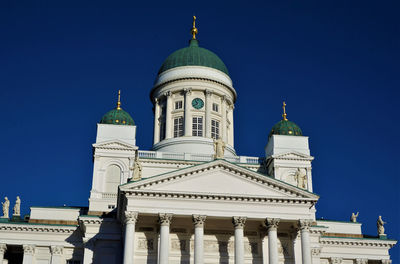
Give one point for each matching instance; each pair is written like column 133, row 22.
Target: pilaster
column 29, row 252
column 3, row 249
column 57, row 253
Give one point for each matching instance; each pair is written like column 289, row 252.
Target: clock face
column 197, row 103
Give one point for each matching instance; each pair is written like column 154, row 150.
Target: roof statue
column 353, row 217
column 219, row 148
column 380, row 223
column 301, row 178
column 137, row 168
column 17, row 207
column 6, row 207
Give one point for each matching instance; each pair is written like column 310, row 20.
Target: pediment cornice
column 115, row 145
column 288, row 193
column 292, row 155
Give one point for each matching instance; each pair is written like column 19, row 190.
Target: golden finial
column 119, row 100
column 194, row 29
column 284, row 111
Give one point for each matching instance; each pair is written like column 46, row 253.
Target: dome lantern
column 285, row 127
column 117, row 116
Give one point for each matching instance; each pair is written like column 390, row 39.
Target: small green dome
column 117, row 116
column 285, row 127
column 193, row 56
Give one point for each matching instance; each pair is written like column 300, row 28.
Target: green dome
column 117, row 116
column 193, row 56
column 285, row 127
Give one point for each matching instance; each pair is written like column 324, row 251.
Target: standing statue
column 219, row 148
column 17, row 207
column 137, row 168
column 353, row 217
column 379, row 224
column 6, row 206
column 301, row 178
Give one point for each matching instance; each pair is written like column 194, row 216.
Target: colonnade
column 225, row 108
column 198, row 221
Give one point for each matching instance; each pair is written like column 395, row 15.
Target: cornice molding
column 357, row 242
column 37, row 228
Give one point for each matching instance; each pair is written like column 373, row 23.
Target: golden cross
column 194, row 29
column 284, row 111
column 119, row 100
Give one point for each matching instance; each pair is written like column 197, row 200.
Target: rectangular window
column 215, row 107
column 214, row 128
column 197, row 126
column 162, row 129
column 178, row 126
column 178, row 105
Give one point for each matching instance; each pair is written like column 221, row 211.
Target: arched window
column 113, row 179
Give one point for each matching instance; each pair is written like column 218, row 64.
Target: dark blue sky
column 336, row 63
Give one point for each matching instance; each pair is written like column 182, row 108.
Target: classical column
column 168, row 121
column 57, row 254
column 188, row 117
column 230, row 118
column 29, row 252
column 272, row 226
column 156, row 121
column 3, row 248
column 238, row 223
column 130, row 219
column 165, row 221
column 208, row 113
column 305, row 240
column 88, row 244
column 223, row 113
column 264, row 246
column 198, row 221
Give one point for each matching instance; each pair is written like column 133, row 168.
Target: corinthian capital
column 165, row 219
column 3, row 248
column 187, row 91
column 198, row 220
column 386, row 261
column 29, row 249
column 208, row 92
column 167, row 94
column 305, row 224
column 336, row 260
column 56, row 250
column 238, row 221
column 130, row 217
column 272, row 223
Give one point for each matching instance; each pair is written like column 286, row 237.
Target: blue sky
column 335, row 63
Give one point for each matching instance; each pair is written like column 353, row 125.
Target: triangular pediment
column 218, row 178
column 292, row 155
column 114, row 145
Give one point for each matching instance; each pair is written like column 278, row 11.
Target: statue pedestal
column 384, row 236
column 16, row 217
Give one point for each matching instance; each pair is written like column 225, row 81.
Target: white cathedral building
column 191, row 198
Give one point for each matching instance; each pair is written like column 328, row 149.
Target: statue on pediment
column 379, row 224
column 219, row 148
column 301, row 178
column 353, row 217
column 137, row 168
column 6, row 207
column 17, row 207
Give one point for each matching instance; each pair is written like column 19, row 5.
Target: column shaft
column 129, row 247
column 198, row 221
column 239, row 223
column 223, row 113
column 272, row 225
column 305, row 240
column 88, row 252
column 231, row 135
column 188, row 117
column 208, row 114
column 3, row 248
column 29, row 251
column 156, row 121
column 264, row 248
column 168, row 121
column 165, row 220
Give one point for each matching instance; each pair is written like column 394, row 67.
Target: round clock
column 197, row 103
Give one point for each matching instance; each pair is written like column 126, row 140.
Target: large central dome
column 193, row 56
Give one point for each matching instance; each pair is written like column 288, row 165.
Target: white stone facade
column 187, row 206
